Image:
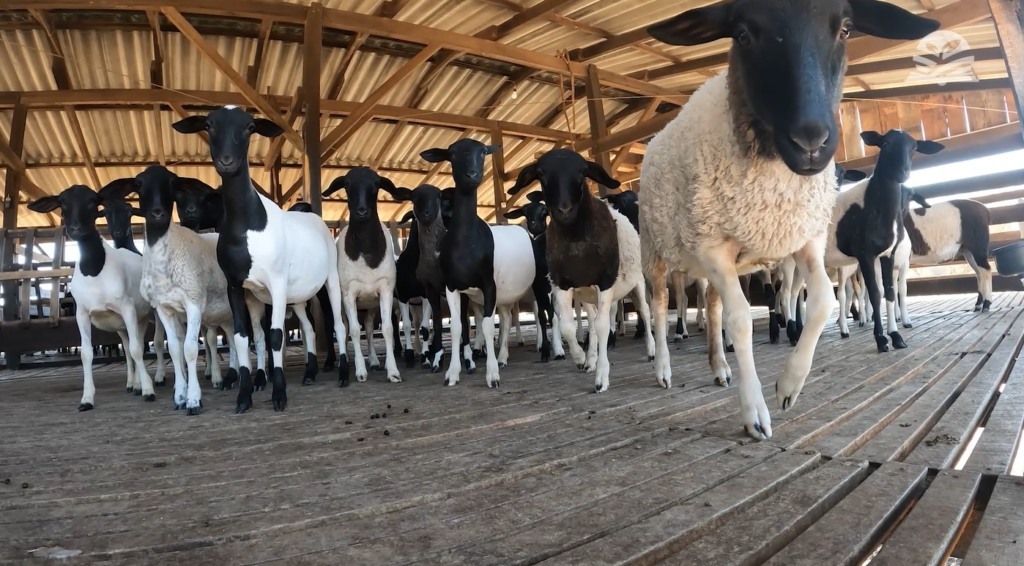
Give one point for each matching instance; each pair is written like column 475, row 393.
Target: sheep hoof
column 897, row 341
column 343, row 371
column 502, row 365
column 149, row 398
column 179, row 405
column 759, row 432
column 136, row 391
column 787, row 402
column 279, row 395
column 478, row 354
column 193, row 411
column 560, row 357
column 726, row 382
column 907, row 325
column 844, row 334
column 986, row 306
column 730, row 348
column 259, row 381
column 128, row 390
column 410, row 358
column 883, row 344
column 424, row 334
column 650, row 358
column 860, row 323
column 773, row 332
column 611, row 340
column 375, row 367
column 161, row 383
column 395, row 378
column 243, row 404
column 229, row 379
column 84, row 407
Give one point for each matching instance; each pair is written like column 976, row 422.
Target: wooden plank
column 767, row 527
column 933, row 117
column 927, row 534
column 667, row 532
column 1006, row 14
column 956, row 115
column 598, row 123
column 58, row 261
column 916, row 421
column 910, row 118
column 851, row 130
column 870, row 120
column 998, row 539
column 847, row 533
column 999, row 442
column 41, row 273
column 980, row 116
column 26, row 284
column 313, row 47
column 526, row 17
column 498, row 176
column 888, row 115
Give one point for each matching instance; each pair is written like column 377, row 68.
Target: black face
column 536, row 214
column 467, row 159
column 79, row 207
column 155, row 186
column 229, row 129
column 119, row 218
column 361, row 186
column 447, row 205
column 563, row 175
column 626, row 202
column 896, row 152
column 426, row 204
column 789, row 57
column 852, row 175
column 192, row 198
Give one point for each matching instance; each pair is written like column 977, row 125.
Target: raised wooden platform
column 542, row 470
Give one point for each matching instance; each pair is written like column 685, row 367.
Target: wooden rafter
column 276, row 144
column 83, row 148
column 607, row 46
column 498, row 173
column 232, row 75
column 313, row 45
column 58, row 64
column 638, row 132
column 506, row 88
column 624, row 151
column 252, row 74
column 598, row 125
column 161, row 153
column 1007, row 16
column 334, row 91
column 156, row 67
column 532, row 14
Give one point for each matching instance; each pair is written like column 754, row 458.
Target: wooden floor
column 542, row 470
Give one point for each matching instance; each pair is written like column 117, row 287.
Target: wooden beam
column 161, row 153
column 1008, row 19
column 276, row 144
column 532, row 14
column 904, row 64
column 83, row 148
column 507, row 87
column 311, row 85
column 421, row 90
column 58, row 63
column 225, row 67
column 598, row 126
column 607, row 46
column 982, row 143
column 635, row 133
column 510, row 201
column 620, row 158
column 252, row 74
column 338, row 83
column 10, row 152
column 156, row 67
column 498, row 173
column 920, row 90
column 975, row 184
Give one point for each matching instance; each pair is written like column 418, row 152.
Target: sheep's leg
column 563, row 305
column 604, row 303
column 369, row 324
column 278, row 311
column 158, row 348
column 579, row 321
column 86, row 353
column 355, row 333
column 175, row 346
column 334, row 297
column 820, row 302
column 536, row 320
column 541, row 308
column 435, row 355
column 786, row 291
column 504, row 330
column 193, row 324
column 658, row 276
column 702, row 299
column 901, row 290
column 135, row 340
column 769, row 295
column 644, row 311
column 451, row 378
column 617, row 308
column 590, row 363
column 257, row 311
column 212, row 363
column 885, row 262
column 132, row 386
column 844, row 330
column 478, row 337
column 308, row 374
column 468, row 356
column 387, row 329
column 519, row 330
column 716, row 339
column 794, row 327
column 407, row 341
column 424, row 326
column 557, row 349
column 240, row 317
column 208, row 371
column 232, row 373
column 867, row 268
column 983, row 272
column 736, row 315
column 682, row 304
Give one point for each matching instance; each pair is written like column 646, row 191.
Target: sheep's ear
column 920, row 200
column 535, row 197
column 929, row 147
column 489, row 149
column 695, row 27
column 526, row 177
column 120, row 188
column 137, row 211
column 513, row 214
column 267, row 128
column 336, row 185
column 597, row 174
column 301, row 207
column 409, row 217
column 190, row 125
column 854, row 175
column 436, row 155
column 385, row 184
column 872, row 138
column 448, row 194
column 399, row 193
column 882, row 19
column 45, row 204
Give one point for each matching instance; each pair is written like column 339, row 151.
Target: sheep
column 200, row 206
column 592, row 251
column 119, row 221
column 105, row 285
column 950, row 229
column 182, row 280
column 744, row 176
column 536, row 214
column 284, row 258
column 491, row 265
column 867, row 223
column 366, row 262
column 408, row 290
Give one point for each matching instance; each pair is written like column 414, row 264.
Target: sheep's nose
column 565, row 209
column 157, row 213
column 226, row 161
column 810, row 136
column 362, row 211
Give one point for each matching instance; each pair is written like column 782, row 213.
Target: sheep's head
column 787, row 62
column 628, row 203
column 119, row 217
column 535, row 212
column 79, row 207
column 467, row 159
column 909, row 195
column 896, row 152
column 426, row 202
column 229, row 129
column 852, row 175
column 563, row 175
column 196, row 202
column 361, row 185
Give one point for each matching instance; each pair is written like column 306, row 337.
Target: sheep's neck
column 126, row 242
column 464, row 208
column 365, row 238
column 92, row 254
column 243, row 209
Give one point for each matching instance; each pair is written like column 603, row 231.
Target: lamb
column 284, row 258
column 182, row 279
column 867, row 223
column 105, row 285
column 366, row 262
column 744, row 175
column 592, row 251
column 536, row 213
column 409, row 290
column 491, row 265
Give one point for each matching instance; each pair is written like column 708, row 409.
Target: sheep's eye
column 251, row 128
column 844, row 31
column 743, row 37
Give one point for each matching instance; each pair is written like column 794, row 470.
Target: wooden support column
column 498, row 175
column 10, row 221
column 1010, row 28
column 598, row 125
column 311, row 90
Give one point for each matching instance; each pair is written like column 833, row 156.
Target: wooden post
column 598, row 123
column 10, row 222
column 1009, row 25
column 311, row 91
column 498, row 175
column 58, row 260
